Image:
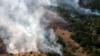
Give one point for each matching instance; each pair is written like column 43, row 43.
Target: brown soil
column 71, row 45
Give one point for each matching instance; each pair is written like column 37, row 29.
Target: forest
column 85, row 29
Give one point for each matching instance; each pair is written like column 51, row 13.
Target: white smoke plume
column 24, row 23
column 22, row 29
column 73, row 5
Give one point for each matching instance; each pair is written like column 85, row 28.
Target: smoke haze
column 23, row 24
column 21, row 28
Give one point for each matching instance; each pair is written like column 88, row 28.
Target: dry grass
column 71, row 45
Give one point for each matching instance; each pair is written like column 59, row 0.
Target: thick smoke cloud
column 24, row 24
column 22, row 29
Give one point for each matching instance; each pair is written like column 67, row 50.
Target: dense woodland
column 85, row 29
